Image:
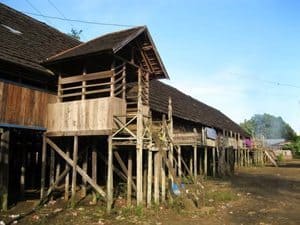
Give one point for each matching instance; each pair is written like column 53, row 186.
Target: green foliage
column 294, row 146
column 280, row 157
column 269, row 126
column 75, row 33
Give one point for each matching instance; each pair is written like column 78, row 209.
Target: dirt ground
column 261, row 195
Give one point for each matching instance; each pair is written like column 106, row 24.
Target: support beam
column 179, row 161
column 214, row 161
column 149, row 185
column 74, row 172
column 67, row 178
column 156, row 177
column 205, row 161
column 195, row 162
column 52, row 167
column 163, row 179
column 43, row 172
column 129, row 179
column 85, row 169
column 94, row 170
column 110, row 174
column 4, row 148
column 78, row 169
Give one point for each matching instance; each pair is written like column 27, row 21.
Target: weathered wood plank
column 86, row 77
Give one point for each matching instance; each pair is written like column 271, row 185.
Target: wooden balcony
column 84, row 117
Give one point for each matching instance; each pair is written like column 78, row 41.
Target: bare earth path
column 262, row 195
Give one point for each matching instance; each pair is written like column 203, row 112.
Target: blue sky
column 240, row 56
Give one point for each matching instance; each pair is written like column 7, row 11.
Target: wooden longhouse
column 95, row 115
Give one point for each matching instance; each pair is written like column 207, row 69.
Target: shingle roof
column 188, row 108
column 26, row 41
column 108, row 42
column 113, row 43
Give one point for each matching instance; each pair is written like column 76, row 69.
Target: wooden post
column 205, row 161
column 156, row 176
column 83, row 90
column 129, row 178
column 179, row 161
column 67, row 178
column 214, row 161
column 163, row 179
column 94, row 170
column 57, row 172
column 5, row 169
column 124, row 82
column 74, row 173
column 52, row 167
column 139, row 145
column 191, row 162
column 200, row 162
column 112, row 80
column 195, row 161
column 171, row 150
column 22, row 177
column 43, row 172
column 149, row 185
column 110, row 175
column 85, row 169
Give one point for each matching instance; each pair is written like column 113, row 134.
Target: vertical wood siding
column 23, row 106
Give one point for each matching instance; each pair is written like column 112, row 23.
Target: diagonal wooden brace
column 78, row 169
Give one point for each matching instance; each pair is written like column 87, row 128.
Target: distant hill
column 269, row 126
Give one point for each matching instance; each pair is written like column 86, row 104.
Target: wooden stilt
column 195, row 162
column 205, row 161
column 67, row 178
column 200, row 162
column 110, row 175
column 52, row 166
column 163, row 180
column 74, row 172
column 149, row 185
column 156, row 177
column 179, row 161
column 85, row 169
column 94, row 170
column 139, row 144
column 43, row 172
column 57, row 171
column 145, row 172
column 22, row 178
column 5, row 169
column 191, row 161
column 129, row 179
column 214, row 161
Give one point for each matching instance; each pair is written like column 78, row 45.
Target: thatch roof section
column 26, row 42
column 187, row 108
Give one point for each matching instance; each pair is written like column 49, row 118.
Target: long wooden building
column 95, row 114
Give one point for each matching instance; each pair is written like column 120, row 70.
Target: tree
column 75, row 33
column 269, row 126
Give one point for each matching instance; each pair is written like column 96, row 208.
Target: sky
column 239, row 56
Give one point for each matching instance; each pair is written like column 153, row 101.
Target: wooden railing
column 93, row 85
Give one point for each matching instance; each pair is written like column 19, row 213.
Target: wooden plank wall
column 87, row 115
column 23, row 106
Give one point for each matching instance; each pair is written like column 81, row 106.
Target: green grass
column 220, row 196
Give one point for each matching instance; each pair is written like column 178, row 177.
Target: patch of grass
column 176, row 205
column 132, row 211
column 219, row 196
